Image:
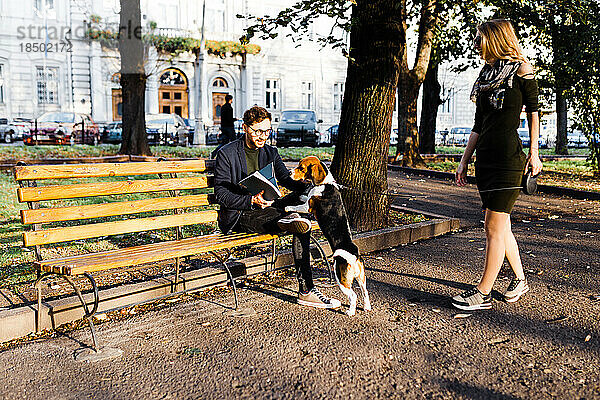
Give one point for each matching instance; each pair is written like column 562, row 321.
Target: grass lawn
column 12, row 153
column 576, row 174
column 459, row 150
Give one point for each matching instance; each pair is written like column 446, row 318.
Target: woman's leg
column 496, row 227
column 512, row 253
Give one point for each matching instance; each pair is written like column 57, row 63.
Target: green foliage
column 297, row 19
column 553, row 28
column 585, row 91
column 108, row 37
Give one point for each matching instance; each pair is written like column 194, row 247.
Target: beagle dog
column 324, row 201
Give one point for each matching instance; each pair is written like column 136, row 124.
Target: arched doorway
column 219, row 90
column 173, row 93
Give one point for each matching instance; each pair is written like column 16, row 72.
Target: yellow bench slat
column 56, row 235
column 110, row 188
column 149, row 253
column 56, row 214
column 35, row 172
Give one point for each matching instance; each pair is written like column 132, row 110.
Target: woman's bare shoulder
column 525, row 71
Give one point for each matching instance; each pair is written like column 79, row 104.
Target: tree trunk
column 408, row 133
column 409, row 83
column 429, row 110
column 360, row 159
column 133, row 80
column 561, row 121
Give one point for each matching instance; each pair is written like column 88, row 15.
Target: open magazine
column 260, row 180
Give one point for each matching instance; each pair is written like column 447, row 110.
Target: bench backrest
column 161, row 198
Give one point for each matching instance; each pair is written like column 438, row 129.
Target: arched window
column 116, row 78
column 220, row 82
column 172, row 77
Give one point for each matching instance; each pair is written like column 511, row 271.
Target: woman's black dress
column 500, row 161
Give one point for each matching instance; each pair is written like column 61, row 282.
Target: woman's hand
column 461, row 174
column 259, row 201
column 534, row 163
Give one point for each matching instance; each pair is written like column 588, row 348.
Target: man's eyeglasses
column 260, row 133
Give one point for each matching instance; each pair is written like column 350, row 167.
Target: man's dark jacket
column 227, row 116
column 230, row 168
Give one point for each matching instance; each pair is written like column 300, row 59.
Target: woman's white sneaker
column 472, row 300
column 516, row 288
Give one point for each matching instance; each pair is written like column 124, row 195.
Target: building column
column 97, row 91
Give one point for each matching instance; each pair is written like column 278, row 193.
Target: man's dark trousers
column 265, row 221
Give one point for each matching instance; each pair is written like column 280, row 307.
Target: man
column 227, row 127
column 242, row 212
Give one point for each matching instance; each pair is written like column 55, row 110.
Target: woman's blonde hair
column 499, row 41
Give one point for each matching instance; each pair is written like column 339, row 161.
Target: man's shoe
column 516, row 288
column 472, row 300
column 294, row 223
column 314, row 298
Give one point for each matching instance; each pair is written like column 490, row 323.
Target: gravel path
column 411, row 346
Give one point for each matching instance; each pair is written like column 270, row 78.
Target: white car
column 576, row 138
column 458, row 136
column 12, row 130
column 166, row 129
column 394, row 137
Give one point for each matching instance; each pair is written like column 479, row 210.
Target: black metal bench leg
column 38, row 286
column 88, row 314
column 224, row 262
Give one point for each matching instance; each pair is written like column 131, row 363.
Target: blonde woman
column 505, row 84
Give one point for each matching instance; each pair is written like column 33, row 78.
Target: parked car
column 166, row 129
column 441, row 137
column 394, row 137
column 333, row 133
column 113, row 132
column 63, row 128
column 12, row 130
column 299, row 128
column 458, row 136
column 576, row 138
column 525, row 138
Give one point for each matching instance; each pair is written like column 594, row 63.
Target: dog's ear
column 318, row 173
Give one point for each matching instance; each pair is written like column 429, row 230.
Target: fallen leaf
column 553, row 217
column 557, row 319
column 458, row 316
column 498, row 340
column 192, row 351
column 587, row 338
column 436, row 310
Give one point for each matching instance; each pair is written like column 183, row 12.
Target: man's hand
column 259, row 201
column 461, row 174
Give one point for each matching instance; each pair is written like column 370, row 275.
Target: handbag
column 529, row 183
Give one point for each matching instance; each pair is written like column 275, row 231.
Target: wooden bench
column 174, row 194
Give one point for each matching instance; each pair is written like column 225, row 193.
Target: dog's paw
column 368, row 307
column 351, row 312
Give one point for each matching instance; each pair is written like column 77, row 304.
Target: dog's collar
column 349, row 257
